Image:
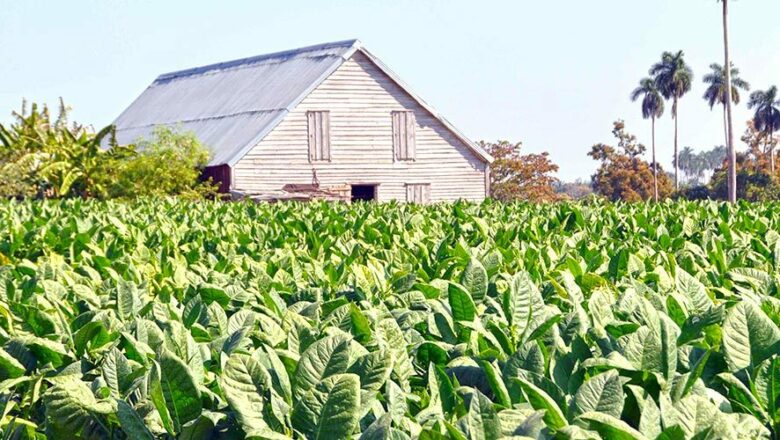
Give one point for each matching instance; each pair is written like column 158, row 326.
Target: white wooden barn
column 331, row 114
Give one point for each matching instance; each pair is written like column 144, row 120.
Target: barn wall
column 360, row 98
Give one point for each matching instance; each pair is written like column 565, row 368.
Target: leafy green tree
column 766, row 118
column 652, row 108
column 623, row 175
column 717, row 90
column 168, row 163
column 674, row 79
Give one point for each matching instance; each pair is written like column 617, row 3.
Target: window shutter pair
column 318, row 123
column 403, row 135
column 418, row 193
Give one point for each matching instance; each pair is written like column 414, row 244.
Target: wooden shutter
column 397, row 136
column 318, row 123
column 418, row 193
column 404, row 141
column 409, row 134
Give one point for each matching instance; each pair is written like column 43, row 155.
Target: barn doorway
column 363, row 192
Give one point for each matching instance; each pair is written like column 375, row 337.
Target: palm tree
column 766, row 118
column 674, row 79
column 732, row 154
column 716, row 91
column 715, row 157
column 652, row 108
column 689, row 162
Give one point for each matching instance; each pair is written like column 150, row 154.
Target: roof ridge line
column 347, row 44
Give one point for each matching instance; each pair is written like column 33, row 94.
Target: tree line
column 623, row 174
column 669, row 81
column 42, row 156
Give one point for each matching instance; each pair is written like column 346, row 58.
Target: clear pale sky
column 553, row 74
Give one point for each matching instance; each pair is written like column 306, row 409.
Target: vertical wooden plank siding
column 418, row 193
column 361, row 100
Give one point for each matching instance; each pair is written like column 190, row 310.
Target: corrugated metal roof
column 231, row 106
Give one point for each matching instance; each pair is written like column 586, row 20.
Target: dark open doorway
column 363, row 192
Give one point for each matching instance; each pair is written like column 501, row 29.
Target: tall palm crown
column 652, row 101
column 652, row 108
column 674, row 79
column 672, row 76
column 767, row 109
column 716, row 91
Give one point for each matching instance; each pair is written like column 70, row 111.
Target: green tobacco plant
column 182, row 319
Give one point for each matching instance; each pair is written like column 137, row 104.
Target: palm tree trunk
column 770, row 153
column 732, row 155
column 725, row 126
column 655, row 167
column 676, row 157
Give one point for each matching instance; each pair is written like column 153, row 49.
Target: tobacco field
column 197, row 320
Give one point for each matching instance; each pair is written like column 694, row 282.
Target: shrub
column 41, row 157
column 698, row 192
column 167, row 164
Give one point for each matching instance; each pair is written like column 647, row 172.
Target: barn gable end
column 361, row 97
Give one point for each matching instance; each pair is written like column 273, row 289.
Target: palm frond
column 766, row 116
column 652, row 101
